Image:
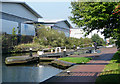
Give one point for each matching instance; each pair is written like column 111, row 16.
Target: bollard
column 30, row 52
column 51, row 50
column 59, row 50
column 78, row 47
column 56, row 50
column 64, row 53
column 40, row 53
column 68, row 72
column 90, row 51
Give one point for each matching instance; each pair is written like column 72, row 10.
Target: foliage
column 111, row 71
column 7, row 42
column 111, row 78
column 26, row 47
column 97, row 39
column 14, row 31
column 76, row 59
column 47, row 38
column 111, row 41
column 113, row 66
column 116, row 57
column 55, row 38
column 14, row 36
column 97, row 15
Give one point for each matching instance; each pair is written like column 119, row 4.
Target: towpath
column 85, row 73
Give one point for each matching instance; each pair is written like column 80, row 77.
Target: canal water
column 27, row 73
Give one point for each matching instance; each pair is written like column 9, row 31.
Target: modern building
column 77, row 33
column 60, row 25
column 96, row 32
column 14, row 14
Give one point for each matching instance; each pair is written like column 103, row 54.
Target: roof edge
column 26, row 6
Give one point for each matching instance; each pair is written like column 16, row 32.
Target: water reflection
column 29, row 73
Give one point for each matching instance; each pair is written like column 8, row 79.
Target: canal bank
column 27, row 72
column 85, row 73
column 31, row 71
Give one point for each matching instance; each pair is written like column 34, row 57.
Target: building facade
column 14, row 14
column 76, row 33
column 60, row 25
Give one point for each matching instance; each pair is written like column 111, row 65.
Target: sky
column 48, row 0
column 55, row 10
column 52, row 10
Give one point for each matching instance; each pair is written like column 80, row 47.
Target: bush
column 26, row 47
column 8, row 42
column 47, row 37
column 111, row 71
column 55, row 38
column 96, row 38
column 116, row 57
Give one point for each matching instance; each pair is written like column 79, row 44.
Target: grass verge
column 111, row 73
column 77, row 60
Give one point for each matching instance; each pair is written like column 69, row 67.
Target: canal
column 27, row 72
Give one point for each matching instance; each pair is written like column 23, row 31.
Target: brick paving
column 85, row 72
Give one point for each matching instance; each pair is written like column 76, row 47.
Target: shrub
column 97, row 39
column 26, row 47
column 55, row 38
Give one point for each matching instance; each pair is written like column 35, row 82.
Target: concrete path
column 85, row 73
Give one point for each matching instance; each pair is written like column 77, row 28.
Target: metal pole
column 30, row 52
column 64, row 53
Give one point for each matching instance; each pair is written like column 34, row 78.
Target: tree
column 54, row 38
column 111, row 41
column 47, row 36
column 96, row 38
column 117, row 9
column 14, row 37
column 97, row 15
